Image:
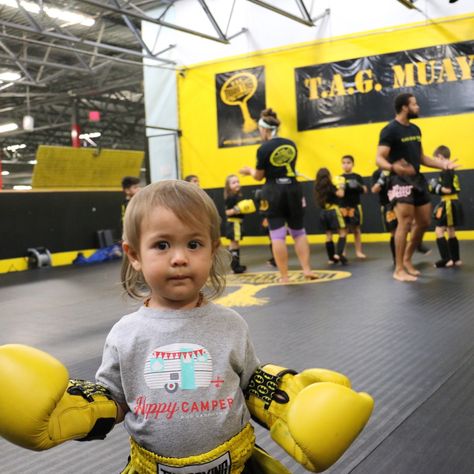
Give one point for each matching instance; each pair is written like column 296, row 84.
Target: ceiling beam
column 212, row 20
column 149, row 19
column 260, row 3
column 75, row 39
column 70, row 49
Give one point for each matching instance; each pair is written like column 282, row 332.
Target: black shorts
column 389, row 218
column 331, row 219
column 448, row 213
column 285, row 204
column 409, row 190
column 234, row 229
column 352, row 215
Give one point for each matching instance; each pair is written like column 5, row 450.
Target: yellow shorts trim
column 240, row 448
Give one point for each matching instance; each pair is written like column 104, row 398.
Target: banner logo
column 362, row 90
column 240, row 99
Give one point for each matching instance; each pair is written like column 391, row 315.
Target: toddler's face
column 175, row 259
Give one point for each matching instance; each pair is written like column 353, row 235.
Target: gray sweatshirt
column 181, row 373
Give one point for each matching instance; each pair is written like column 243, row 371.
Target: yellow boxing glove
column 41, row 408
column 246, row 206
column 314, row 416
column 339, row 181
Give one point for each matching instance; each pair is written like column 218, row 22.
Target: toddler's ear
column 215, row 245
column 132, row 256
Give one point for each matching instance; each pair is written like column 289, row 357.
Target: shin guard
column 330, row 249
column 453, row 244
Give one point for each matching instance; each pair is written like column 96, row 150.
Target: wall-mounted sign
column 240, row 99
column 362, row 90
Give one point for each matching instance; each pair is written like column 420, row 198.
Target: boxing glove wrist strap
column 98, row 396
column 264, row 385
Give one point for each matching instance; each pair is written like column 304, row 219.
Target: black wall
column 59, row 221
column 67, row 221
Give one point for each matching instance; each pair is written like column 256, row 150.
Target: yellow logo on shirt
column 284, row 155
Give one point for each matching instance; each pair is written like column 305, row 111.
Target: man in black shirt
column 400, row 152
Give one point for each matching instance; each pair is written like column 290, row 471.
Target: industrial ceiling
column 64, row 68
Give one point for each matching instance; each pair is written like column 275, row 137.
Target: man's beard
column 412, row 115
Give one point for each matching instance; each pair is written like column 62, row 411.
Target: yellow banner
column 60, row 167
column 201, row 155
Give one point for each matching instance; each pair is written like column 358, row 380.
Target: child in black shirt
column 350, row 204
column 234, row 220
column 327, row 194
column 448, row 214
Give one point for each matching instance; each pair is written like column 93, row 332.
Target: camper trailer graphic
column 178, row 366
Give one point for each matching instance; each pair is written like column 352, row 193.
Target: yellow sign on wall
column 201, row 155
column 60, row 167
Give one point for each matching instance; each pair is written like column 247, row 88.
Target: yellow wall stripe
column 57, row 259
column 65, row 258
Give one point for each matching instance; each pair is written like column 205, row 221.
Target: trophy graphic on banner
column 237, row 90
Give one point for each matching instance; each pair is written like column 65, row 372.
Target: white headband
column 263, row 124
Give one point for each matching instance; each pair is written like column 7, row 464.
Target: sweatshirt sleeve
column 109, row 374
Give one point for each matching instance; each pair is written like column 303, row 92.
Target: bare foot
column 402, row 275
column 458, row 263
column 411, row 269
column 284, row 280
column 310, row 276
column 360, row 255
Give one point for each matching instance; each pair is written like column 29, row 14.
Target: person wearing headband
column 282, row 195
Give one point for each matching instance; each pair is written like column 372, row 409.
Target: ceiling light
column 4, row 86
column 28, row 6
column 85, row 136
column 9, row 76
column 32, row 162
column 28, row 123
column 8, row 127
column 14, row 147
column 5, row 173
column 69, row 17
column 21, row 187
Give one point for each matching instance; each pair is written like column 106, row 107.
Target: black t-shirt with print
column 353, row 189
column 277, row 157
column 404, row 142
column 449, row 179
